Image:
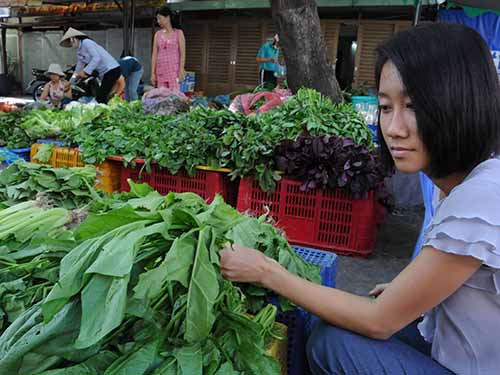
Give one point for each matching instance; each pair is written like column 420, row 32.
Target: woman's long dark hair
column 175, row 18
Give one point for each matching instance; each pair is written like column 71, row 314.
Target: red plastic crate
column 321, row 218
column 204, row 183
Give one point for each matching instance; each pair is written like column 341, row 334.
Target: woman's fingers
column 238, row 263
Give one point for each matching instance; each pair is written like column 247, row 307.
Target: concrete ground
column 395, row 242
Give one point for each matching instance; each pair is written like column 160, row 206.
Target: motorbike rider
column 91, row 56
column 57, row 91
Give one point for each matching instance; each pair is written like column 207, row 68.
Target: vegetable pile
column 245, row 144
column 65, row 187
column 11, row 135
column 31, row 247
column 138, row 289
column 204, row 136
column 332, row 162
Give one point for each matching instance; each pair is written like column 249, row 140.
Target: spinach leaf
column 203, row 292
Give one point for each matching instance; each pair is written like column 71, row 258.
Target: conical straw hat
column 70, row 33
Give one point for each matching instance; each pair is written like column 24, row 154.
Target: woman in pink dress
column 169, row 53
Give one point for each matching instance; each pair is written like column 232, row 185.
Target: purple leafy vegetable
column 327, row 161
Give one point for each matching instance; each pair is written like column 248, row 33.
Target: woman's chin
column 406, row 166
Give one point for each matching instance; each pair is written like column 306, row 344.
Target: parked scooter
column 80, row 88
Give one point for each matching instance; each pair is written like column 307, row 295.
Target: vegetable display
column 130, row 283
column 140, row 292
column 64, row 187
column 203, row 136
column 332, row 162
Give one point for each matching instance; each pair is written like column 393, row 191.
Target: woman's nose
column 397, row 126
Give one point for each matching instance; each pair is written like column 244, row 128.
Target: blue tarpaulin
column 487, row 24
column 427, row 188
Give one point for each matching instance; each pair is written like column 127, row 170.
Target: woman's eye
column 384, row 108
column 410, row 106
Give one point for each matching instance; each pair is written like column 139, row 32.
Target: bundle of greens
column 63, row 187
column 44, row 123
column 317, row 115
column 52, row 123
column 11, row 135
column 250, row 145
column 174, row 142
column 33, row 240
column 142, row 293
column 330, row 162
column 123, row 132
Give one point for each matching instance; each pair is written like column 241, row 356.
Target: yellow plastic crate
column 108, row 172
column 279, row 349
column 61, row 157
column 34, row 150
column 108, row 176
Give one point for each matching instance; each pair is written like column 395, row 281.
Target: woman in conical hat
column 90, row 57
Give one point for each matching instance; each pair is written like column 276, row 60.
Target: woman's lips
column 400, row 152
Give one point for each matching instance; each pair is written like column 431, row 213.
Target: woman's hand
column 153, row 79
column 241, row 264
column 378, row 290
column 82, row 75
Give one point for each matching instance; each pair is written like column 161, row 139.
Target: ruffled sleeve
column 467, row 222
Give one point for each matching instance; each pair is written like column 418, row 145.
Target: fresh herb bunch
column 333, row 162
column 11, row 135
column 309, row 111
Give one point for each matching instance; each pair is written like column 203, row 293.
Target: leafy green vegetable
column 203, row 292
column 148, row 290
column 44, row 153
column 331, row 162
column 11, row 135
column 66, row 187
column 203, row 136
column 33, row 242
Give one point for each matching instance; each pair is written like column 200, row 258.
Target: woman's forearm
column 153, row 64
column 182, row 60
column 183, row 65
column 355, row 313
column 153, row 57
column 45, row 92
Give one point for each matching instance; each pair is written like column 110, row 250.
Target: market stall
column 283, row 160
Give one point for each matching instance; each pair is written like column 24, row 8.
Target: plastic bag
column 246, row 103
column 165, row 101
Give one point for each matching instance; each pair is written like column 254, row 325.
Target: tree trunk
column 299, row 29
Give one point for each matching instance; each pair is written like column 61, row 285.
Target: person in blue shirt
column 132, row 71
column 267, row 57
column 91, row 56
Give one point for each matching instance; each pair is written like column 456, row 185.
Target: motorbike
column 80, row 88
